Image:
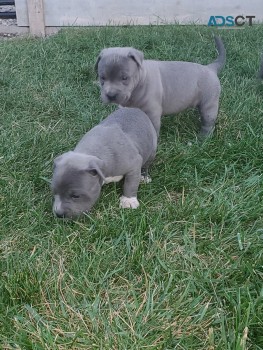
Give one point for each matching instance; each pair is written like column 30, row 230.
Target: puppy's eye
column 75, row 196
column 124, row 78
column 102, row 80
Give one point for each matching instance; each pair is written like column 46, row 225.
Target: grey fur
column 161, row 87
column 119, row 146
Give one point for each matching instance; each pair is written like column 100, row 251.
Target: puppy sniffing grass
column 119, row 147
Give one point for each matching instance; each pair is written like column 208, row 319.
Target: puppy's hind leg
column 209, row 112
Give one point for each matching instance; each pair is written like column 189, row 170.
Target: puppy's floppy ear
column 97, row 63
column 137, row 56
column 98, row 60
column 95, row 167
column 64, row 156
column 57, row 160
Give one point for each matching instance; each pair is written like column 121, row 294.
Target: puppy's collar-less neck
column 142, row 78
column 142, row 74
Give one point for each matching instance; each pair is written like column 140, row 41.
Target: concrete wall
column 102, row 12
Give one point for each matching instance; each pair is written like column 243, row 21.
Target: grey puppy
column 118, row 147
column 161, row 87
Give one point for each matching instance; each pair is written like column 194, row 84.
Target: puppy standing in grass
column 120, row 146
column 161, row 87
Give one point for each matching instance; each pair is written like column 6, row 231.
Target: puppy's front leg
column 155, row 113
column 130, row 187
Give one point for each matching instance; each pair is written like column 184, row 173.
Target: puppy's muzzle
column 112, row 96
column 60, row 215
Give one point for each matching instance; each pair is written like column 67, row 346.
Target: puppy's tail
column 260, row 73
column 219, row 63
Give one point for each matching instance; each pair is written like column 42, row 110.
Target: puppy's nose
column 111, row 96
column 60, row 215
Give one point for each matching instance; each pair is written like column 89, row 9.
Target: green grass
column 184, row 271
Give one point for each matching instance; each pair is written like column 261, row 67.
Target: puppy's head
column 76, row 183
column 118, row 70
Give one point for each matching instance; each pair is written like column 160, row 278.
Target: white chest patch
column 113, row 179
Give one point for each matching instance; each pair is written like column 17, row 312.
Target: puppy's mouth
column 70, row 216
column 124, row 100
column 66, row 214
column 119, row 99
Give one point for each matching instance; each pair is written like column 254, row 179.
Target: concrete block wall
column 113, row 12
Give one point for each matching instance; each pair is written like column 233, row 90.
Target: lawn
column 185, row 270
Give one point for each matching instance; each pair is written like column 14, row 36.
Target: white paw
column 145, row 179
column 131, row 202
